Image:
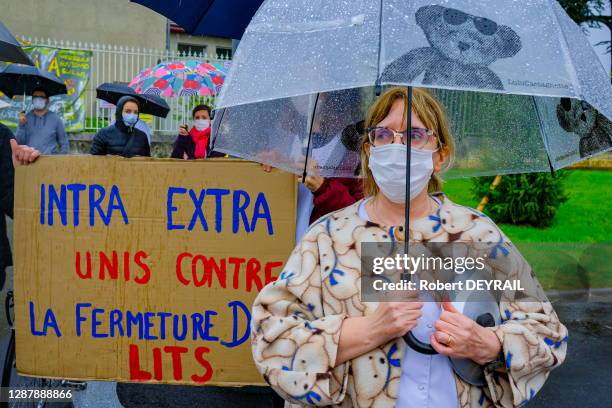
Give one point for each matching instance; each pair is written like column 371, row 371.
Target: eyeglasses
column 457, row 17
column 380, row 136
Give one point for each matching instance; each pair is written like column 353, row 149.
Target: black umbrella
column 23, row 79
column 10, row 50
column 149, row 104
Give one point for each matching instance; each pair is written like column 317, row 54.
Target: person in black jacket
column 11, row 154
column 6, row 199
column 122, row 138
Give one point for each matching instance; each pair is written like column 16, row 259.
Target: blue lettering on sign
column 103, row 203
column 95, row 202
column 235, row 305
column 50, row 322
column 245, row 212
column 54, row 199
column 115, row 203
column 162, row 323
column 115, row 317
column 262, row 210
column 170, row 208
column 175, row 333
column 198, row 210
column 239, row 210
column 96, row 323
column 59, row 202
column 76, row 200
column 79, row 317
column 218, row 193
column 197, row 326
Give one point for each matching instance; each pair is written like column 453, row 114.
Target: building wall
column 211, row 42
column 117, row 22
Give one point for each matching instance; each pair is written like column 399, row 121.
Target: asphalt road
column 584, row 380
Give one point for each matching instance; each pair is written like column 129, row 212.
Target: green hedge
column 523, row 199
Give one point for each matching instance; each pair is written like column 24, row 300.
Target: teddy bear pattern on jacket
column 297, row 319
column 462, row 46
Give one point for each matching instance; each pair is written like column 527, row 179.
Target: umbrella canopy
column 217, row 18
column 18, row 79
column 523, row 88
column 10, row 49
column 180, row 78
column 149, row 104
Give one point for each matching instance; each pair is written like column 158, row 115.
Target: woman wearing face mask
column 193, row 144
column 122, row 138
column 315, row 341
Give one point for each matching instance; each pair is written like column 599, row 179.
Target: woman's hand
column 459, row 336
column 23, row 154
column 389, row 321
column 394, row 319
column 183, row 130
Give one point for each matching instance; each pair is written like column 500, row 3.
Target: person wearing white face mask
column 315, row 338
column 194, row 143
column 42, row 129
column 122, row 138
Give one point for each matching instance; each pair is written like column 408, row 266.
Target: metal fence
column 112, row 63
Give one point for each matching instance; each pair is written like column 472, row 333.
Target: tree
column 527, row 199
column 590, row 13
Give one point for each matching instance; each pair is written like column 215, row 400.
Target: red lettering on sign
column 199, row 356
column 268, row 271
column 136, row 374
column 236, row 262
column 109, row 266
column 208, row 271
column 176, row 356
column 80, row 274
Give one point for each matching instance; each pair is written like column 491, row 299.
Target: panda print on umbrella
column 594, row 129
column 462, row 47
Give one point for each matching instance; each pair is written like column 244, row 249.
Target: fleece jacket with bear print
column 297, row 319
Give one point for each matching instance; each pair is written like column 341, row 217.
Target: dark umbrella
column 149, row 104
column 23, row 79
column 10, row 50
column 227, row 18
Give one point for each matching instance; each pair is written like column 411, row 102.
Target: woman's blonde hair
column 429, row 110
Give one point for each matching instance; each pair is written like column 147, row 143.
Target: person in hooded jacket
column 122, row 138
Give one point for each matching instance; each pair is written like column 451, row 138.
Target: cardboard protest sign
column 145, row 269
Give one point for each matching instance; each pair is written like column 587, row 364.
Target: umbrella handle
column 410, row 338
column 417, row 345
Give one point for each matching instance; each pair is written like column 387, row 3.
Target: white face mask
column 38, row 103
column 201, row 124
column 388, row 166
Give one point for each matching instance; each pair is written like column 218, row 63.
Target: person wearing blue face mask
column 42, row 129
column 122, row 138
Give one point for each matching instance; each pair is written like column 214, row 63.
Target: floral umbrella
column 181, row 78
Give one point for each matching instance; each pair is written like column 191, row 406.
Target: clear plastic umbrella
column 523, row 88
